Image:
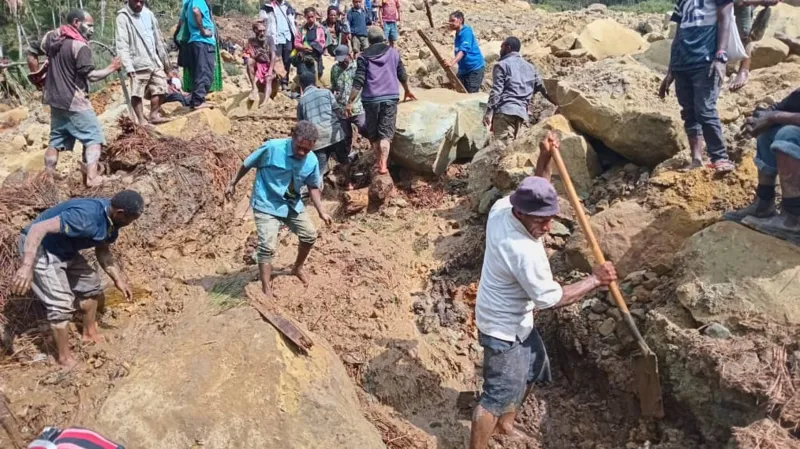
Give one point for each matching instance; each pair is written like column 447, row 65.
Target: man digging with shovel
column 515, row 280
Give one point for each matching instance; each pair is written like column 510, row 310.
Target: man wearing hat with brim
column 516, row 279
column 342, row 75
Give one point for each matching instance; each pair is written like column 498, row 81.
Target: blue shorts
column 390, row 31
column 509, row 368
column 779, row 138
column 68, row 126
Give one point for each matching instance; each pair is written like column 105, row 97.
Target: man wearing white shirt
column 515, row 280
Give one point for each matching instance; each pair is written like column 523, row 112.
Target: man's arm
column 402, row 76
column 723, row 26
column 457, row 59
column 498, row 85
column 198, row 21
column 23, row 278
column 33, row 63
column 109, row 265
column 316, row 198
column 85, row 67
column 123, row 46
column 573, row 293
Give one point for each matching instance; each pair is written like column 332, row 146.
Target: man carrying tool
column 516, row 279
column 379, row 72
column 514, row 83
column 342, row 75
column 283, row 167
column 469, row 58
column 141, row 49
column 261, row 57
column 777, row 133
column 66, row 91
column 60, row 276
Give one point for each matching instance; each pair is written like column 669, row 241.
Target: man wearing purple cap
column 515, row 280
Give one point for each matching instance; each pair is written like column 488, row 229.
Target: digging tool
column 457, row 86
column 121, row 80
column 648, row 383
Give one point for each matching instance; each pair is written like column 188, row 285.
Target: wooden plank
column 9, row 423
column 428, row 13
column 284, row 325
column 458, row 87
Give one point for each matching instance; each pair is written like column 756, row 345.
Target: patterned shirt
column 320, row 108
column 342, row 86
column 696, row 42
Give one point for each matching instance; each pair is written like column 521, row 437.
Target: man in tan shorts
column 141, row 49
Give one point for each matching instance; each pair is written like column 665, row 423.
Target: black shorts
column 381, row 120
column 338, row 150
column 472, row 81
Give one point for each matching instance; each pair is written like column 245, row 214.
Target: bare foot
column 253, row 95
column 516, row 433
column 696, row 163
column 267, row 290
column 739, row 80
column 97, row 181
column 300, row 272
column 157, row 120
column 202, row 106
column 68, row 364
column 93, row 337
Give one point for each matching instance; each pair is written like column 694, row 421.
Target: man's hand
column 757, row 126
column 205, row 32
column 452, row 63
column 121, row 282
column 21, row 283
column 116, row 64
column 230, row 191
column 409, row 96
column 348, row 110
column 605, row 273
column 663, row 89
column 550, row 142
column 717, row 67
column 326, row 218
column 307, row 48
column 487, row 118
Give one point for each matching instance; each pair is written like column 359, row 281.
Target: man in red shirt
column 389, row 17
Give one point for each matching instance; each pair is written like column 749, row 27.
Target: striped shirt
column 319, row 107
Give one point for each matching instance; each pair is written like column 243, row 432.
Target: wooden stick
column 428, row 13
column 457, row 86
column 9, row 423
column 284, row 325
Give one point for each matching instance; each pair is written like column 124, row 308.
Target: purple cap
column 535, row 196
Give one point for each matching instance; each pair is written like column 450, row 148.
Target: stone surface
column 768, row 52
column 18, row 143
column 597, row 7
column 430, row 146
column 716, row 330
column 491, row 51
column 654, row 37
column 657, row 56
column 784, row 19
column 203, row 119
column 606, row 38
column 564, row 43
column 13, row 116
column 607, row 327
column 730, row 272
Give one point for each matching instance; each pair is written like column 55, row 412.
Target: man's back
column 67, row 85
column 317, row 106
column 520, row 80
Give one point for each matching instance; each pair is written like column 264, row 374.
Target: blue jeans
column 783, row 138
column 390, row 31
column 697, row 94
column 68, row 126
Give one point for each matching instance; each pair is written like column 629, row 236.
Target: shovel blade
column 648, row 385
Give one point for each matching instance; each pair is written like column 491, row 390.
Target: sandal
column 723, row 166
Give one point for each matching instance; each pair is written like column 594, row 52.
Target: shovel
column 122, row 84
column 648, row 384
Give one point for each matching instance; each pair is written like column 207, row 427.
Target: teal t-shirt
column 194, row 33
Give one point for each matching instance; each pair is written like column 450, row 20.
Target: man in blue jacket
column 469, row 58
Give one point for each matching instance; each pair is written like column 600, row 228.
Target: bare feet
column 158, row 119
column 740, row 80
column 68, row 364
column 267, row 290
column 516, row 433
column 253, row 95
column 202, row 106
column 92, row 337
column 300, row 272
column 695, row 164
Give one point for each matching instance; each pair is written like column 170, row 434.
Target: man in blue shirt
column 359, row 19
column 697, row 65
column 468, row 55
column 202, row 42
column 283, row 167
column 60, row 276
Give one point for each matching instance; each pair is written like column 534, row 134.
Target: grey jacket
column 514, row 81
column 131, row 46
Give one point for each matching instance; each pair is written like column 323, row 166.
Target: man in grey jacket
column 279, row 17
column 141, row 49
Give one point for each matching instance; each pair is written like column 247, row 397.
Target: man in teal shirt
column 468, row 56
column 202, row 42
column 283, row 166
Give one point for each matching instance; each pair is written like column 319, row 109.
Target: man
column 516, row 279
column 202, row 49
column 311, row 43
column 319, row 107
column 70, row 69
column 468, row 54
column 389, row 16
column 338, row 29
column 743, row 12
column 279, row 17
column 342, row 75
column 283, row 166
column 61, row 277
column 777, row 131
column 697, row 65
column 261, row 57
column 514, row 82
column 141, row 49
column 359, row 19
column 379, row 70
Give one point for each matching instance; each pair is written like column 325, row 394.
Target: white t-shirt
column 176, row 83
column 515, row 279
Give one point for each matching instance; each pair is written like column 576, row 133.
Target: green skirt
column 216, row 84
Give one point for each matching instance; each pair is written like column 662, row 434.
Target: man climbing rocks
column 202, row 50
column 468, row 57
column 261, row 58
column 311, row 43
column 60, row 276
column 283, row 167
column 516, row 279
column 359, row 19
column 319, row 107
column 389, row 18
column 342, row 75
column 279, row 17
column 697, row 65
column 743, row 12
column 66, row 91
column 379, row 72
column 514, row 82
column 141, row 49
column 777, row 133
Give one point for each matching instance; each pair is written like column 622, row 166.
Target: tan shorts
column 147, row 83
column 506, row 126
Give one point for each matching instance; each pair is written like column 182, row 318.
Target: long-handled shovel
column 122, row 84
column 646, row 363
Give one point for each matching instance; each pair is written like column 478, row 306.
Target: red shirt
column 390, row 10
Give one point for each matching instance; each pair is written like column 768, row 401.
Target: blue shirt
column 696, row 42
column 358, row 19
column 279, row 177
column 84, row 224
column 194, row 32
column 473, row 58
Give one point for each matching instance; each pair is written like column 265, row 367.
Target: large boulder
column 563, row 44
column 784, row 19
column 615, row 100
column 606, row 38
column 491, row 51
column 197, row 121
column 657, row 56
column 768, row 52
column 13, row 116
column 729, row 273
column 231, row 380
column 440, row 127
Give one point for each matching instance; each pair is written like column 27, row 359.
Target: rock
column 612, row 100
column 631, row 236
column 564, row 43
column 521, row 5
column 559, row 230
column 227, row 57
column 12, row 117
column 599, row 307
column 607, row 327
column 792, row 42
column 654, row 37
column 488, row 199
column 195, row 122
column 18, row 143
column 420, row 5
column 213, row 385
column 767, row 52
column 424, row 53
column 784, row 19
column 716, row 330
column 597, row 7
column 430, row 146
column 728, row 272
column 576, row 53
column 672, row 30
column 491, row 51
column 794, row 59
column 606, row 38
column 729, row 114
